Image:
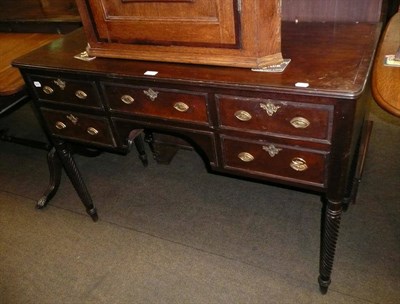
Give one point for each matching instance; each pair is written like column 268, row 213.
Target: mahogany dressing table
column 305, row 127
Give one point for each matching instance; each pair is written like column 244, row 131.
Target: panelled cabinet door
column 167, row 22
column 242, row 33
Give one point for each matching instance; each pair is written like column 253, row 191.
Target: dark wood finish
column 216, row 32
column 386, row 79
column 65, row 154
column 319, row 156
column 332, row 10
column 55, row 170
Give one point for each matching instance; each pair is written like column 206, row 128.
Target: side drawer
column 79, row 127
column 63, row 90
column 273, row 116
column 157, row 102
column 274, row 160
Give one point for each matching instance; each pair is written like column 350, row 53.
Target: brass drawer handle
column 127, row 99
column 243, row 115
column 298, row 164
column 151, row 94
column 181, row 107
column 60, row 125
column 48, row 90
column 92, row 131
column 300, row 122
column 80, row 94
column 246, row 157
column 269, row 107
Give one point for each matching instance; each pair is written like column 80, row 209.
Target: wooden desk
column 303, row 127
column 386, row 79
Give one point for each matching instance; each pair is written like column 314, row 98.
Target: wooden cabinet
column 217, row 32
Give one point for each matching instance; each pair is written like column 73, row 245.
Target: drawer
column 62, row 90
column 157, row 102
column 272, row 116
column 80, row 127
column 274, row 160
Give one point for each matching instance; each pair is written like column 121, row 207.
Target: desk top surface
column 386, row 79
column 13, row 45
column 334, row 59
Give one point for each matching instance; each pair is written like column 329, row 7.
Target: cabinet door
column 167, row 22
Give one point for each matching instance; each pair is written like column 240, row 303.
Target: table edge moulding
column 256, row 125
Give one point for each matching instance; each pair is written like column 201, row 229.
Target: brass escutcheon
column 80, row 94
column 300, row 122
column 61, row 84
column 92, row 131
column 272, row 150
column 48, row 90
column 243, row 115
column 246, row 157
column 72, row 118
column 298, row 164
column 269, row 107
column 60, row 125
column 151, row 94
column 181, row 107
column 127, row 99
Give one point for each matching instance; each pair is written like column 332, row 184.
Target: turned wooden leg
column 330, row 222
column 55, row 169
column 76, row 179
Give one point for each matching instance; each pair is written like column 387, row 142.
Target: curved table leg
column 330, row 222
column 139, row 144
column 55, row 169
column 75, row 176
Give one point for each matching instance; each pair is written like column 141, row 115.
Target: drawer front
column 163, row 103
column 79, row 127
column 272, row 116
column 274, row 160
column 81, row 93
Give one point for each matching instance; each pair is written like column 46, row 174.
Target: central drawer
column 285, row 162
column 157, row 102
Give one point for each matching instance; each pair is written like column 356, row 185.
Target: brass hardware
column 128, row 99
column 60, row 125
column 61, row 84
column 151, row 94
column 272, row 150
column 246, row 157
column 243, row 115
column 269, row 107
column 298, row 164
column 48, row 90
column 300, row 122
column 72, row 118
column 181, row 107
column 92, row 131
column 80, row 94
